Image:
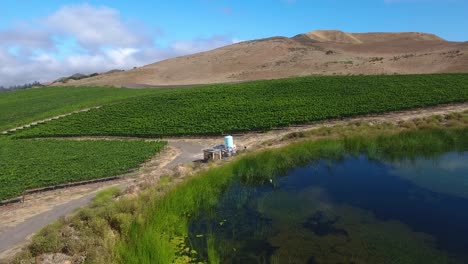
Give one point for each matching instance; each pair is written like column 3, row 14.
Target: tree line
column 18, row 87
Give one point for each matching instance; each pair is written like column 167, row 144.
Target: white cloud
column 200, row 44
column 27, row 38
column 105, row 41
column 93, row 26
column 121, row 56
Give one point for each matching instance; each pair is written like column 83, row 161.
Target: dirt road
column 19, row 222
column 47, row 120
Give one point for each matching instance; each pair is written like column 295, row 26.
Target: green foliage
column 259, row 105
column 26, row 164
column 21, row 107
column 153, row 229
column 213, row 257
column 47, row 240
column 106, row 196
column 94, row 230
column 164, row 219
column 159, row 235
column 262, row 167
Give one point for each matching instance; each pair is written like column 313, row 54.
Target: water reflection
column 445, row 174
column 348, row 211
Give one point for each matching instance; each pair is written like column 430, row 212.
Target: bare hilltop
column 322, row 52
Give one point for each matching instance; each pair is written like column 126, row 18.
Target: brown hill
column 359, row 38
column 319, row 52
column 333, row 36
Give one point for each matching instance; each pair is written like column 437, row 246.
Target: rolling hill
column 322, row 52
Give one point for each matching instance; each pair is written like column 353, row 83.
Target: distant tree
column 22, row 86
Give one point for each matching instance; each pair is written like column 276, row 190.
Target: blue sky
column 42, row 40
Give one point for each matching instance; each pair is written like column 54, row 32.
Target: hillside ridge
column 371, row 37
column 320, row 52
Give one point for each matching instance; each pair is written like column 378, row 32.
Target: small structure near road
column 212, row 154
column 221, row 151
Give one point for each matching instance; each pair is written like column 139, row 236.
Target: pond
column 352, row 210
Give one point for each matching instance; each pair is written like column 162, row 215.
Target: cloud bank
column 85, row 39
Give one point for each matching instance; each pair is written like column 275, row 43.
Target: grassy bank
column 156, row 239
column 26, row 164
column 258, row 105
column 153, row 227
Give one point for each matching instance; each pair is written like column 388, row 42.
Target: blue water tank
column 229, row 142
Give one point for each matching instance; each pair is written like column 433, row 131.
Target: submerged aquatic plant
column 213, row 256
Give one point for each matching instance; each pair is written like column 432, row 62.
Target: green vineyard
column 29, row 164
column 258, row 105
column 21, row 107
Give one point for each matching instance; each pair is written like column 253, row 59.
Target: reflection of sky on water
column 447, row 173
column 331, row 210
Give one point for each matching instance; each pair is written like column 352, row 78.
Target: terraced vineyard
column 21, row 107
column 259, row 105
column 29, row 164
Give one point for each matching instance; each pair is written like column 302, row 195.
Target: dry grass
column 282, row 57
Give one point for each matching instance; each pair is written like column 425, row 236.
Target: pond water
column 352, row 210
